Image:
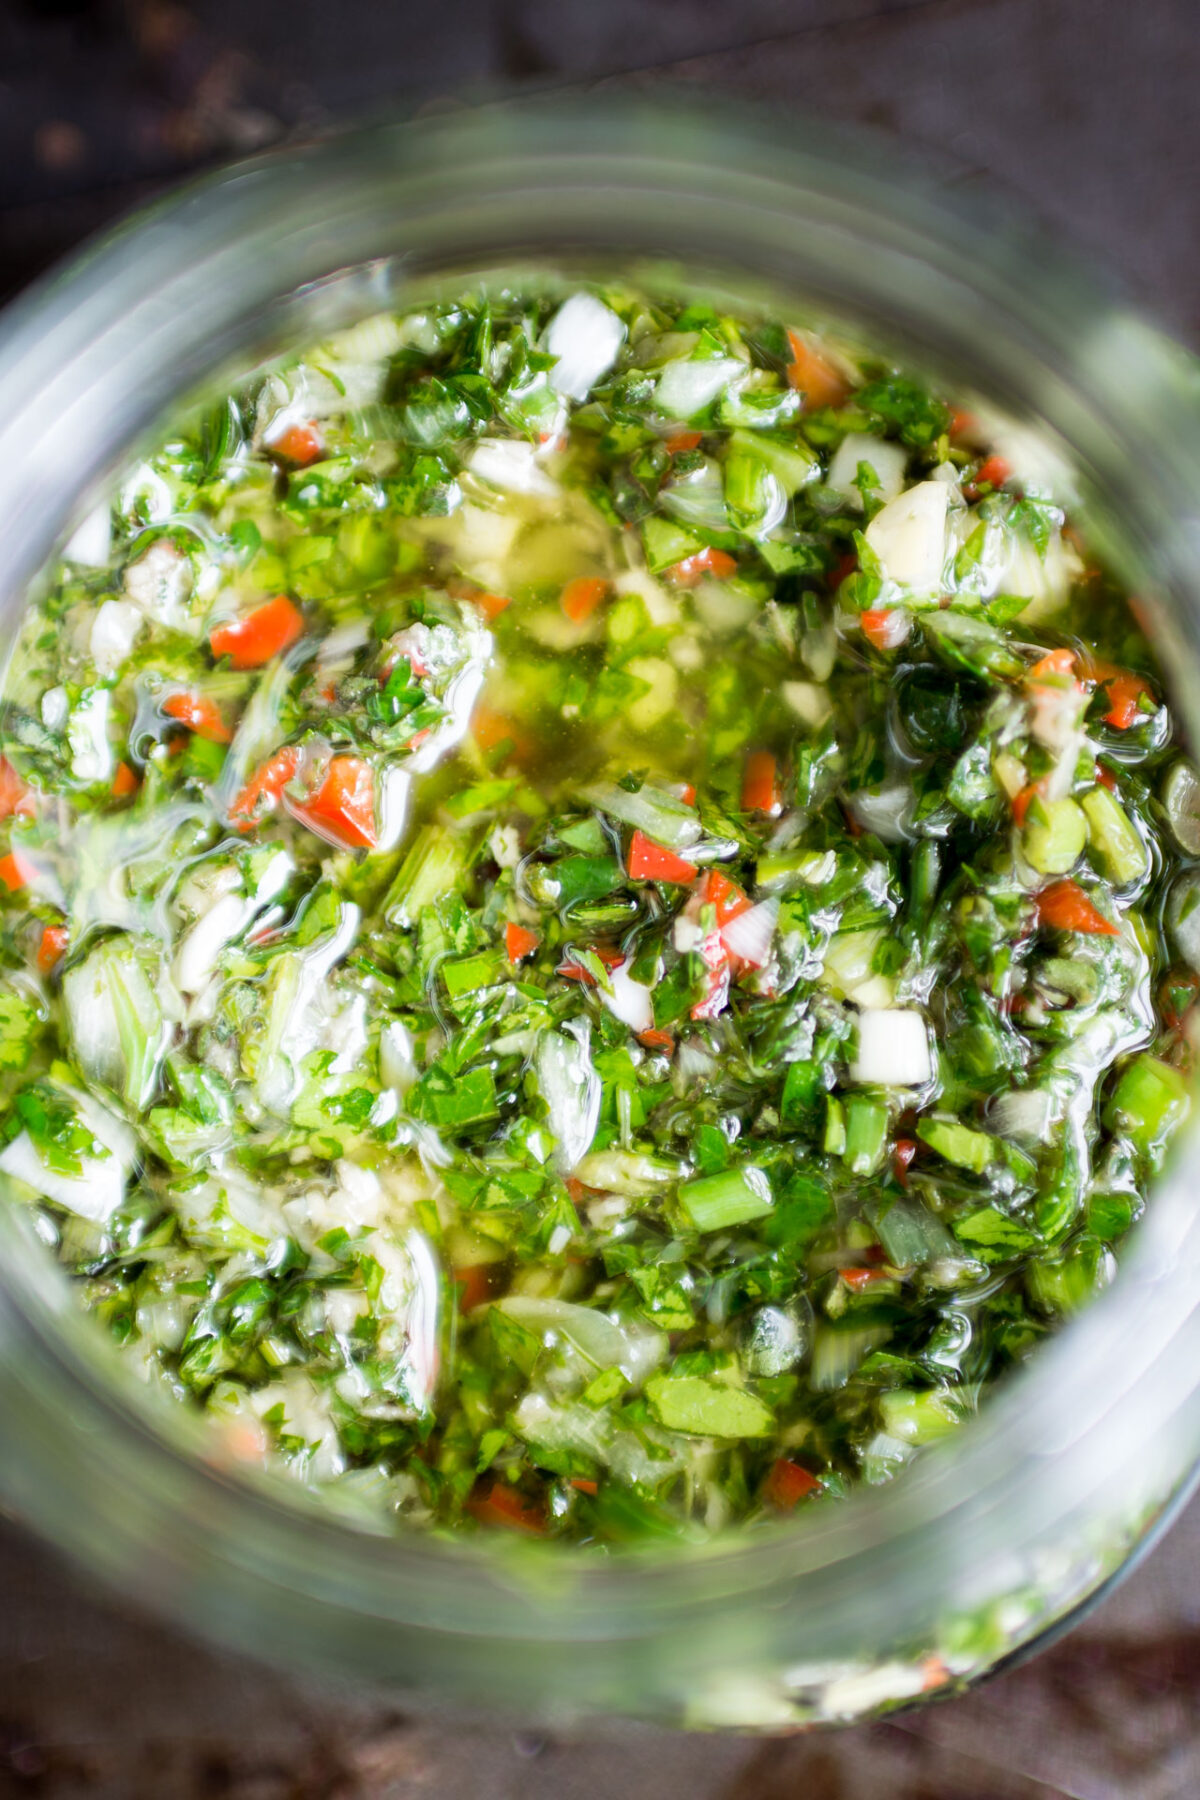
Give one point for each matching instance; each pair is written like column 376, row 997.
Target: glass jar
column 995, row 1539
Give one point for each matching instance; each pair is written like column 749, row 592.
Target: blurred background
column 1089, row 111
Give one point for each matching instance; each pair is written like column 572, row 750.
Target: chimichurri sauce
column 599, row 916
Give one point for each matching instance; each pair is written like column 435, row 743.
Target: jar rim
column 91, row 357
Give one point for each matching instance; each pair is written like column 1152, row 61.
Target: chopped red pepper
column 724, row 896
column 609, row 956
column 858, row 1280
column 298, row 445
column 581, row 597
column 500, row 1504
column 267, row 785
column 14, row 795
column 262, row 634
column 682, row 440
column 885, row 626
column 902, row 1155
column 993, row 472
column 760, row 784
column 492, row 605
column 1125, row 692
column 1177, row 996
column 124, row 782
column 788, row 1483
column 1056, row 665
column 584, row 1485
column 490, row 729
column 815, row 377
column 1023, row 801
column 1106, row 778
column 50, row 950
column 519, row 942
column 201, row 716
column 844, row 567
column 1063, row 906
column 656, row 1040
column 687, row 793
column 649, row 861
column 708, row 561
column 16, row 871
column 343, row 807
column 474, row 1285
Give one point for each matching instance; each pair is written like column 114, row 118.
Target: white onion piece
column 99, row 1188
column 114, row 631
column 748, row 937
column 420, row 1309
column 87, row 738
column 1025, row 1115
column 627, row 1172
column 809, row 700
column 200, row 949
column 892, row 1049
column 90, row 544
column 628, row 1000
column 886, row 458
column 908, row 536
column 886, row 812
column 513, row 466
column 571, row 1089
column 391, row 806
column 586, row 337
column 159, row 583
column 397, row 1058
column 686, row 388
column 609, row 1345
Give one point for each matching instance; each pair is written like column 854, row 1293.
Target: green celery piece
column 804, row 1210
column 20, row 1024
column 702, row 1408
column 609, row 1385
column 731, row 1197
column 753, row 493
column 1114, row 837
column 1069, row 1283
column 784, row 558
column 433, row 867
column 803, row 1086
column 515, row 1342
column 574, row 879
column 911, row 1234
column 789, row 460
column 972, row 787
column 866, row 1134
column 1151, row 1101
column 660, row 815
column 920, row 1417
column 586, row 835
column 959, row 1144
column 366, row 543
column 306, row 552
column 1054, row 836
column 467, row 1100
column 834, row 1141
column 993, row 1234
column 666, row 544
column 470, row 974
column 1109, row 1216
column 482, row 796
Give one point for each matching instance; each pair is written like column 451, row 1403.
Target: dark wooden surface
column 1090, row 110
